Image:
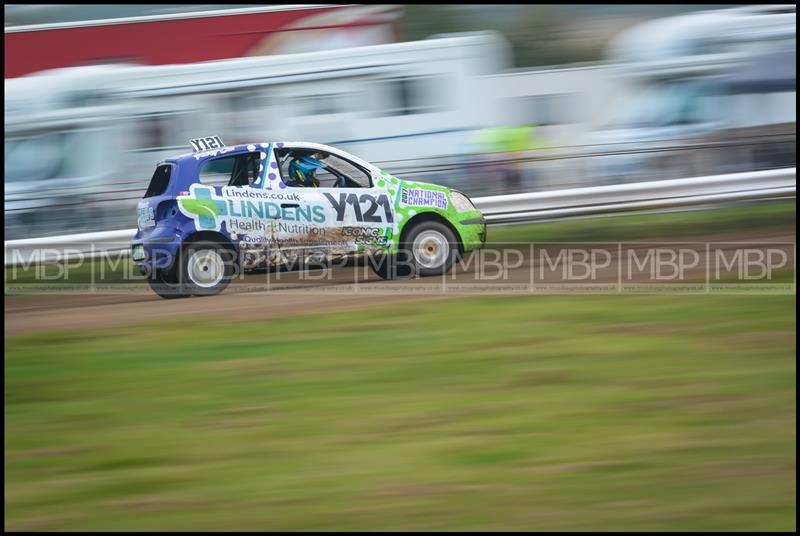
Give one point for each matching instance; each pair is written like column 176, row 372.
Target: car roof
column 196, row 158
column 224, row 151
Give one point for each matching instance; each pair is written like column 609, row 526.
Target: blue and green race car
column 219, row 211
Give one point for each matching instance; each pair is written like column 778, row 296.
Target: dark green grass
column 505, row 413
column 687, row 224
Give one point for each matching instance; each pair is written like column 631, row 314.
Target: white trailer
column 400, row 101
column 678, row 75
column 684, row 80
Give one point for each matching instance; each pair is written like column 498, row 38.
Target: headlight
column 461, row 201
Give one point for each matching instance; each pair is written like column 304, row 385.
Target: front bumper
column 473, row 231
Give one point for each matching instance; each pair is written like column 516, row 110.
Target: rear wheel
column 206, row 267
column 165, row 284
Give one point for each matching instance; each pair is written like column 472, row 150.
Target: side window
column 304, row 168
column 235, row 170
column 160, row 181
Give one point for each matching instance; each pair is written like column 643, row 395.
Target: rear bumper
column 157, row 249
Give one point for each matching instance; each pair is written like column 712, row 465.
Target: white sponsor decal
column 423, row 198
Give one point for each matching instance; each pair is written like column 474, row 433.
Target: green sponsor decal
column 209, row 210
column 203, row 206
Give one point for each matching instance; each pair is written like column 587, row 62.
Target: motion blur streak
column 655, row 390
column 697, row 93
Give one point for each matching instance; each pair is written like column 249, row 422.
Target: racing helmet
column 302, row 171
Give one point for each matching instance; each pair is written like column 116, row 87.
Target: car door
column 348, row 212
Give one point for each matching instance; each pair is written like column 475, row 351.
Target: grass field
column 503, row 413
column 668, row 225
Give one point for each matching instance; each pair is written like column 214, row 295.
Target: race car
column 220, row 211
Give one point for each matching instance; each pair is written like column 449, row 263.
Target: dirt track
column 264, row 296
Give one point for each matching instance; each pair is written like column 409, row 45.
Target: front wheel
column 433, row 248
column 390, row 267
column 429, row 248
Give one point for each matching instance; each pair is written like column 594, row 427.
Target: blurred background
column 485, row 99
column 318, row 405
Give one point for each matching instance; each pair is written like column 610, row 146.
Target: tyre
column 206, row 267
column 165, row 284
column 429, row 248
column 433, row 248
column 398, row 266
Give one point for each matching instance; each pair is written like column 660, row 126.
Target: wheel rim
column 205, row 268
column 431, row 249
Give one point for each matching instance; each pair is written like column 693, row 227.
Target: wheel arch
column 209, row 236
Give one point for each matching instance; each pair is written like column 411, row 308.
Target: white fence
column 769, row 184
column 558, row 204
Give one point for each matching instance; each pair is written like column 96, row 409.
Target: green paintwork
column 469, row 234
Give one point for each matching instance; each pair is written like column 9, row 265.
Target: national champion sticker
column 423, row 198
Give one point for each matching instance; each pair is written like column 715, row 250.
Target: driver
column 302, row 171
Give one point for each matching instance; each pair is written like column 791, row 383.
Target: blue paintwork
column 162, row 242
